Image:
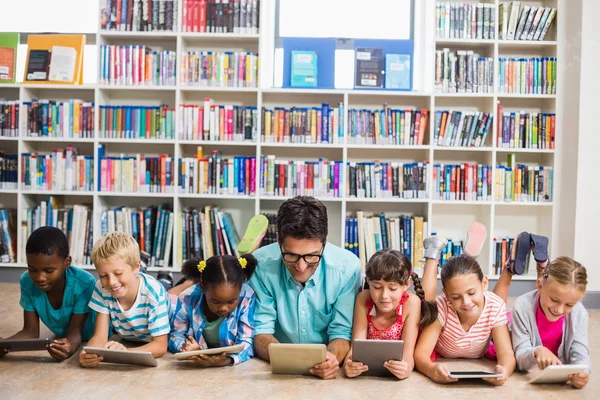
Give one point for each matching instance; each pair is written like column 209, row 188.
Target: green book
column 9, row 44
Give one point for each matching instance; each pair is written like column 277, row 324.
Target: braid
column 429, row 309
column 417, row 285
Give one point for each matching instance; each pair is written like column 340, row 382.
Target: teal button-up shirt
column 318, row 313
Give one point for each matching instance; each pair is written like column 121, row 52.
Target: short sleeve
column 26, row 297
column 97, row 302
column 500, row 318
column 158, row 317
column 82, row 299
column 442, row 307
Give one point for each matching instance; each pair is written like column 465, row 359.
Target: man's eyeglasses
column 310, row 259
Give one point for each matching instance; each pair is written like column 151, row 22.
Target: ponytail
column 251, row 264
column 224, row 269
column 190, row 271
column 429, row 309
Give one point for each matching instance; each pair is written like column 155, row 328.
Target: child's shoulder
column 152, row 288
column 526, row 300
column 26, row 283
column 363, row 296
column 80, row 276
column 247, row 290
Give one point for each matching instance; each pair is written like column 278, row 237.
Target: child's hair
column 48, row 240
column 117, row 246
column 220, row 270
column 393, row 266
column 460, row 265
column 566, row 271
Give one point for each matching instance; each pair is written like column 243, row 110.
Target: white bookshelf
column 447, row 218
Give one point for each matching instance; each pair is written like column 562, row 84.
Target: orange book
column 442, row 127
column 54, row 59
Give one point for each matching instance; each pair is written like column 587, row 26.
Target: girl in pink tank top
column 386, row 311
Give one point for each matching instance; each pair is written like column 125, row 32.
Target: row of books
column 137, row 65
column 453, row 248
column 8, row 235
column 502, row 248
column 67, row 119
column 152, row 228
column 139, row 15
column 221, row 16
column 62, row 170
column 465, row 20
column 271, row 234
column 219, row 69
column 76, row 222
column 521, row 130
column 524, row 22
column 215, row 122
column 9, row 118
column 387, row 126
column 9, row 171
column 524, row 183
column 303, row 125
column 137, row 122
column 466, row 182
column 232, row 175
column 291, row 178
column 461, row 128
column 365, row 235
column 527, row 75
column 207, row 232
column 386, row 180
column 137, row 173
column 463, row 71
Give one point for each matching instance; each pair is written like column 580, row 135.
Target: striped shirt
column 236, row 328
column 148, row 316
column 454, row 342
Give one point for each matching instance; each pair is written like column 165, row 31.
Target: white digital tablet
column 374, row 353
column 184, row 355
column 130, row 357
column 473, row 374
column 295, row 359
column 557, row 373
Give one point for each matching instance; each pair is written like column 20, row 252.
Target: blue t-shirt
column 79, row 287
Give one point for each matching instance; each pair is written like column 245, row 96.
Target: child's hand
column 398, row 368
column 59, row 349
column 190, row 344
column 579, row 380
column 441, row 374
column 205, row 361
column 114, row 346
column 328, row 369
column 545, row 357
column 354, row 368
column 89, row 360
column 498, row 381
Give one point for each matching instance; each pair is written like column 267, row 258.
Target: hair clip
column 243, row 262
column 201, row 266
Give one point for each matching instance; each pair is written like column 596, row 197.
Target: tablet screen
column 465, row 373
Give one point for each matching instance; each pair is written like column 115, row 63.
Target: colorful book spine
column 453, row 248
column 303, row 125
column 75, row 221
column 524, row 22
column 216, row 16
column 9, row 175
column 293, row 178
column 527, row 75
column 502, row 249
column 463, row 71
column 465, row 20
column 218, row 175
column 139, row 15
column 137, row 173
column 461, row 128
column 215, row 122
column 388, row 126
column 135, row 65
column 60, row 119
column 219, row 69
column 462, row 182
column 524, row 183
column 137, row 122
column 387, row 180
column 9, row 118
column 151, row 227
column 62, row 170
column 8, row 235
column 271, row 234
column 526, row 130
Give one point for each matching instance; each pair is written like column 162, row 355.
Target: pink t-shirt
column 551, row 333
column 455, row 342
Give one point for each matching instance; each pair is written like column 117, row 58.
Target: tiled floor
column 37, row 375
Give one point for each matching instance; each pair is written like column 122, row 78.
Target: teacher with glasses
column 305, row 287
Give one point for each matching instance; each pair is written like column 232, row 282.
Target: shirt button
column 303, row 312
column 303, row 329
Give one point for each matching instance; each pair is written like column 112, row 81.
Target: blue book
column 304, row 69
column 397, row 71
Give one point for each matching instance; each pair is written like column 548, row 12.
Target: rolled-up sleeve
column 265, row 310
column 343, row 308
